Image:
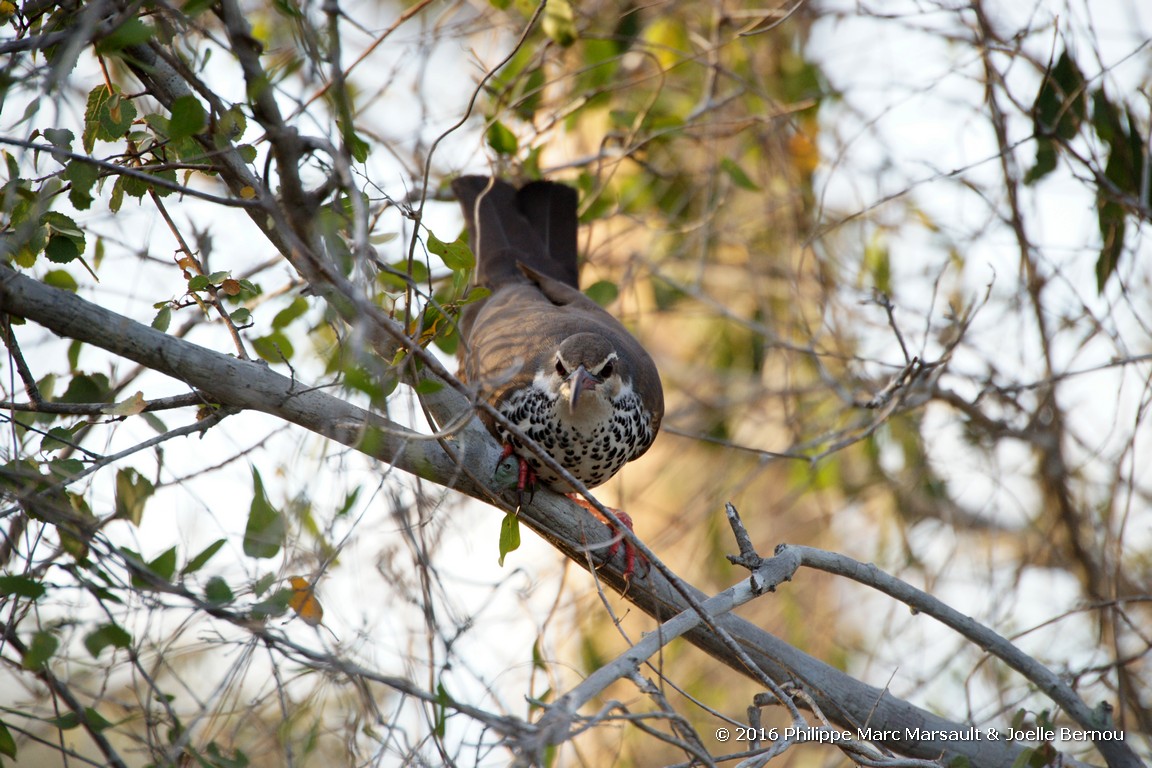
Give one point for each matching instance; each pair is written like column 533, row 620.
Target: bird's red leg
column 631, row 556
column 526, row 479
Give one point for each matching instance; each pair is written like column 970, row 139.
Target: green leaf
column 603, row 292
column 96, row 98
column 217, row 591
column 188, row 118
column 1062, row 102
column 1111, row 219
column 96, row 721
column 247, row 152
column 21, row 586
column 1024, row 759
column 417, row 271
column 443, row 702
column 154, row 421
column 1125, row 166
column 202, row 559
column 428, row 386
column 739, row 178
column 197, row 7
column 131, row 32
column 559, row 23
column 357, row 147
column 275, row 605
column 164, row 565
column 115, row 117
column 1045, row 161
column 294, row 310
column 263, row 584
column 163, row 318
column 65, row 239
column 41, row 648
column 275, row 347
column 526, row 97
column 475, row 293
column 349, row 502
column 132, row 491
column 70, row 720
column 107, row 116
column 63, row 226
column 65, row 469
column 59, row 137
column 59, row 438
column 74, row 355
column 265, row 529
column 59, row 278
column 501, row 138
column 167, row 175
column 82, row 176
column 7, row 743
column 878, row 263
column 369, row 382
column 199, row 283
column 230, row 126
column 61, row 250
column 87, row 388
column 117, row 198
column 66, row 721
column 133, row 186
column 106, row 635
column 456, row 255
column 509, row 535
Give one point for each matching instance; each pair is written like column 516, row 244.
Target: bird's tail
column 534, row 225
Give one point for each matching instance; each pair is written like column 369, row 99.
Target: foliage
column 881, row 330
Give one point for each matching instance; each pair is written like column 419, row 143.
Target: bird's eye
column 560, row 369
column 606, row 371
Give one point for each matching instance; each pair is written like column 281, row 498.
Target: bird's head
column 586, row 368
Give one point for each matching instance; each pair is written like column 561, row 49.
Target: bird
column 551, row 360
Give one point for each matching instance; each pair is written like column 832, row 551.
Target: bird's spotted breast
column 592, row 452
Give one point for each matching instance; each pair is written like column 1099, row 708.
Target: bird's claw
column 632, row 556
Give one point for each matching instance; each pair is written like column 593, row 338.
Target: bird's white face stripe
column 611, row 358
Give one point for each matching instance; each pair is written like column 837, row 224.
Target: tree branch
column 241, row 384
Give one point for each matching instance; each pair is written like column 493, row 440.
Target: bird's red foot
column 631, row 556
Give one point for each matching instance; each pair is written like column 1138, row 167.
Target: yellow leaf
column 803, row 149
column 129, row 407
column 304, row 602
column 247, row 193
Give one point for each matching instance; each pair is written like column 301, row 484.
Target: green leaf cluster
column 1063, row 107
column 30, row 229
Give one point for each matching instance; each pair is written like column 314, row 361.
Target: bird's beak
column 579, row 381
